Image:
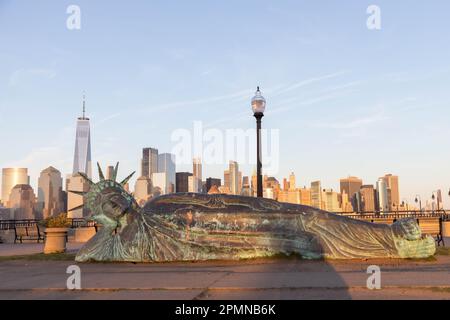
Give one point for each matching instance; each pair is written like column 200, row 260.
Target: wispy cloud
column 106, row 119
column 20, row 74
column 356, row 123
column 243, row 94
column 309, row 81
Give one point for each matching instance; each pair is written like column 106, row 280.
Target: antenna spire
column 84, row 106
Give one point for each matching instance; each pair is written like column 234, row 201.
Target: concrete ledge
column 84, row 234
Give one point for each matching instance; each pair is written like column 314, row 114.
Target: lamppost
column 419, row 200
column 258, row 107
column 405, row 205
column 435, row 196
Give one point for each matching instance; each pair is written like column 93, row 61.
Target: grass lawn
column 41, row 257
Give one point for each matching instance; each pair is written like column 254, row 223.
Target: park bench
column 428, row 226
column 432, row 227
column 27, row 233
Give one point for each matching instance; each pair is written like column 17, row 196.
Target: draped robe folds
column 188, row 226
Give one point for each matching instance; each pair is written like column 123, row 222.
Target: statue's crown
column 97, row 188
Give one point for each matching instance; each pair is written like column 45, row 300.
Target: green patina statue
column 188, row 226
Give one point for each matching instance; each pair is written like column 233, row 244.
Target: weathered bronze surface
column 187, row 226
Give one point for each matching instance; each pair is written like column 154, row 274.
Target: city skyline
column 375, row 104
column 354, row 195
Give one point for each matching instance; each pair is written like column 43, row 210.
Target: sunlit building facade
column 82, row 159
column 10, row 178
column 50, row 195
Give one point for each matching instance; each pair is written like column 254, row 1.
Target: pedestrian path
column 20, row 249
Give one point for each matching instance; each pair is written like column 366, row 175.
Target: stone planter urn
column 446, row 228
column 55, row 240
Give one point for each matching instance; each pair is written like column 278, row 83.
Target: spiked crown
column 96, row 189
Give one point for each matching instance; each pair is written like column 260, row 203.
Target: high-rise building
column 212, row 182
column 193, row 184
column 109, row 172
column 234, row 177
column 149, row 162
column 268, row 193
column 76, row 182
column 160, row 182
column 246, row 190
column 82, row 159
column 285, row 184
column 316, row 195
column 331, row 201
column 305, row 196
column 254, row 183
column 226, row 179
column 351, row 186
column 273, row 184
column 197, row 172
column 23, row 201
column 50, row 195
column 345, row 203
column 393, row 191
column 166, row 165
column 10, row 178
column 143, row 190
column 289, row 196
column 292, row 185
column 382, row 196
column 367, row 193
column 197, row 168
column 182, row 181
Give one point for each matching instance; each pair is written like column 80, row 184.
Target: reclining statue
column 191, row 226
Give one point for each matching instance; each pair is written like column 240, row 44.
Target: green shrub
column 60, row 221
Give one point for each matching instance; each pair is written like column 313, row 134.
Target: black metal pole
column 259, row 180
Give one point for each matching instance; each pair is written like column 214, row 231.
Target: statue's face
column 108, row 202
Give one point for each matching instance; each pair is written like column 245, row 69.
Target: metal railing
column 389, row 215
column 12, row 224
column 398, row 214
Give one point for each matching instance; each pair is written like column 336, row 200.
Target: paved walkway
column 256, row 279
column 10, row 249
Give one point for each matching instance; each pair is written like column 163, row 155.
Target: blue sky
column 347, row 100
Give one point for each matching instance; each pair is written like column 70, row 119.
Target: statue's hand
column 409, row 240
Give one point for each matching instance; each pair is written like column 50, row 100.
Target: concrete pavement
column 11, row 249
column 254, row 279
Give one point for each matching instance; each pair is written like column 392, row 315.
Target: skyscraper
column 246, row 190
column 226, row 179
column 10, row 178
column 82, row 159
column 382, row 196
column 235, row 177
column 197, row 167
column 393, row 191
column 292, row 185
column 305, row 196
column 142, row 190
column 50, row 196
column 331, row 201
column 351, row 186
column 165, row 178
column 109, row 172
column 76, row 182
column 316, row 194
column 182, row 181
column 23, row 200
column 149, row 162
column 367, row 193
